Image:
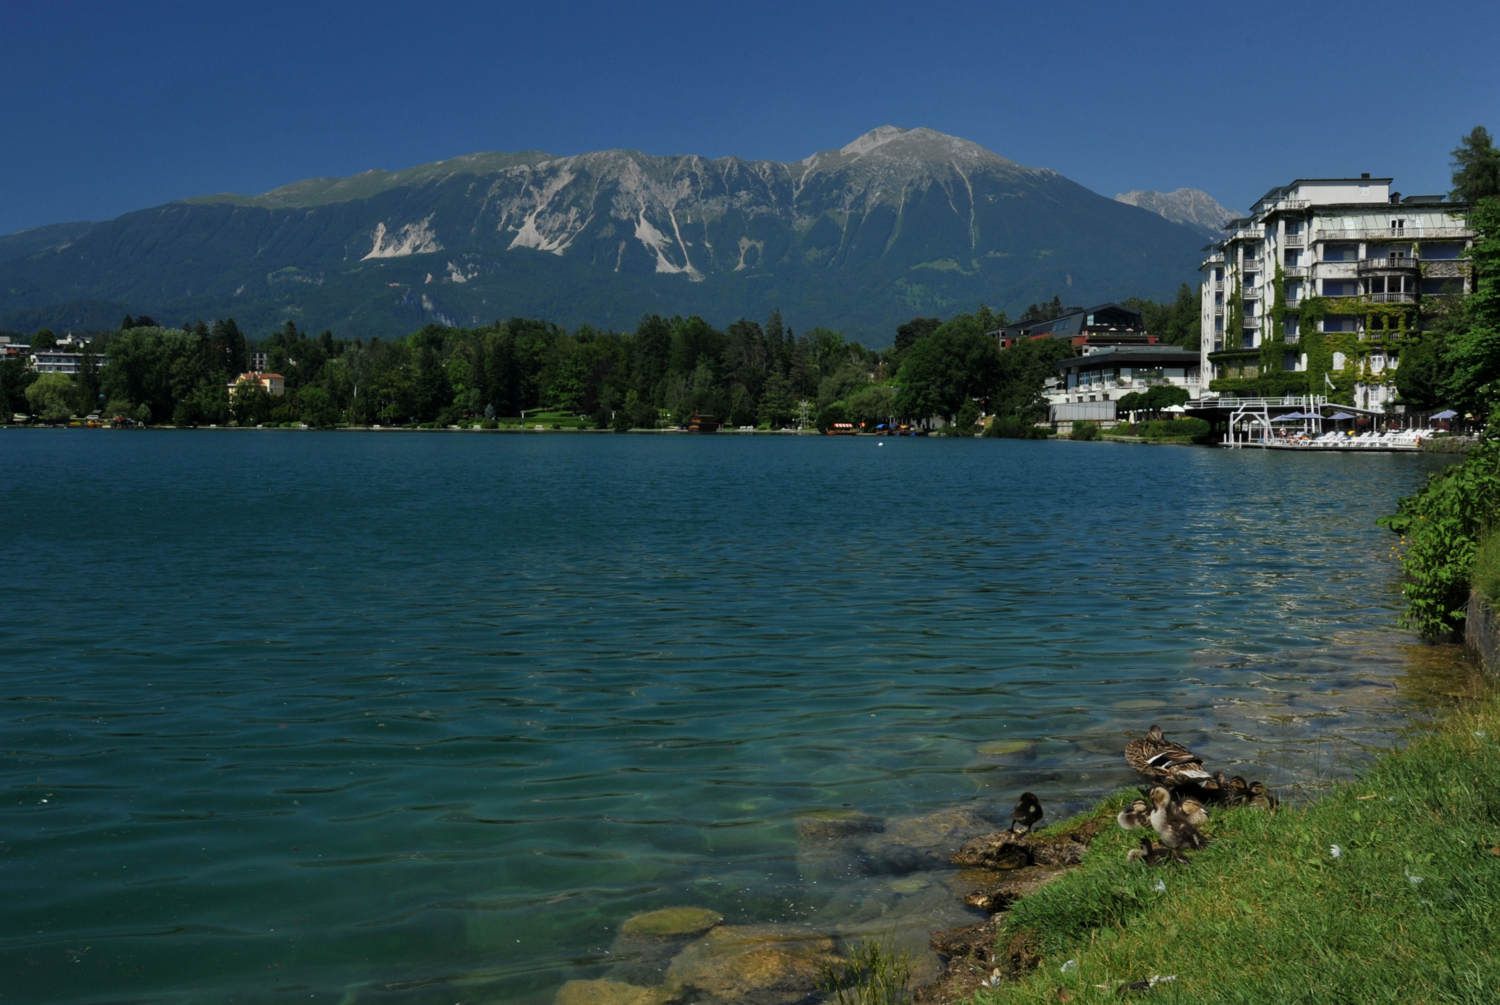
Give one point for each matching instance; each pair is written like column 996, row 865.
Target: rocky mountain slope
column 1191, row 206
column 897, row 223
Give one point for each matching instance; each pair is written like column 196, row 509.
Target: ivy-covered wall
column 1386, row 328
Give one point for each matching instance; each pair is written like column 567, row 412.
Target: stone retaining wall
column 1482, row 632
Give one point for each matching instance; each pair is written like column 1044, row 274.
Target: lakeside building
column 1105, row 324
column 1319, row 288
column 274, row 383
column 1091, row 384
column 67, row 356
column 12, row 350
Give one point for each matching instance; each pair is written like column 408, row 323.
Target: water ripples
column 364, row 716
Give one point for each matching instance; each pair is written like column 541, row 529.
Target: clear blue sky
column 110, row 107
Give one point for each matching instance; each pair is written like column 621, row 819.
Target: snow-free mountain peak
column 1192, row 206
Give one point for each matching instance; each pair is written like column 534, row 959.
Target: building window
column 1294, row 290
column 1289, row 360
column 1292, row 259
column 1294, row 226
column 1247, row 340
column 1340, row 252
column 1289, row 328
column 1340, row 287
column 1341, row 323
column 1218, row 322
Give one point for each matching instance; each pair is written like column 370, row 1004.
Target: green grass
column 1269, row 914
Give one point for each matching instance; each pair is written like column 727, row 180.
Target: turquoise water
column 374, row 717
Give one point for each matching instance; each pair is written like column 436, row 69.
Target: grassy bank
column 1383, row 891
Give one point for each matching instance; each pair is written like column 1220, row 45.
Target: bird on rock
column 1171, row 824
column 1027, row 814
column 1135, row 816
column 1167, row 763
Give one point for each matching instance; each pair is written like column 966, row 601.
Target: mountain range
column 895, row 224
column 1191, row 206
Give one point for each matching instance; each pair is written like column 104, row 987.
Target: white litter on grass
column 1335, row 851
column 1161, row 980
column 1070, row 966
column 1479, row 733
column 1414, row 880
column 1160, row 887
column 992, row 981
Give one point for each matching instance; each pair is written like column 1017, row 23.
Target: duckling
column 1261, row 798
column 1170, row 763
column 1152, row 853
column 1027, row 814
column 1171, row 824
column 1195, row 812
column 1135, row 816
column 1238, row 792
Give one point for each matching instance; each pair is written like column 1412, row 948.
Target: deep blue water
column 368, row 717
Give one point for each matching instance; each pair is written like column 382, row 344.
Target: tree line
column 665, row 371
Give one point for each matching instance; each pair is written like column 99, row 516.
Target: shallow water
column 338, row 717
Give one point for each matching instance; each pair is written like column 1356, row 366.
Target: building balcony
column 1292, row 204
column 1388, row 298
column 1393, row 233
column 1218, row 286
column 1292, row 241
column 1293, row 299
column 1250, row 322
column 1250, row 293
column 1449, row 268
column 1295, row 272
column 1389, row 264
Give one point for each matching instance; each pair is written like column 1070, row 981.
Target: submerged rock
column 752, row 965
column 911, row 844
column 647, row 942
column 828, row 844
column 608, row 992
column 671, row 922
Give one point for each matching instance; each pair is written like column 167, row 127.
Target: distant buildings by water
column 1114, row 355
column 1318, row 289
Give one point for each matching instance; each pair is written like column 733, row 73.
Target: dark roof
column 1070, row 322
column 1122, row 355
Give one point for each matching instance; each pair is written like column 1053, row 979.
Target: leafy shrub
column 1440, row 529
column 1084, row 431
column 489, row 424
column 1011, row 427
column 1487, row 567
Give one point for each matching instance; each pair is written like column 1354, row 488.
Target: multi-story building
column 1320, row 287
column 66, row 356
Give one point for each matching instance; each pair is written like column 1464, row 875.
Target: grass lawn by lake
column 1385, row 890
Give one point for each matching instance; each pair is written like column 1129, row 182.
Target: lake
column 421, row 718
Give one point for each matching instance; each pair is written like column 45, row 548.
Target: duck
column 1151, row 853
column 1238, row 793
column 1195, row 811
column 1166, row 762
column 1027, row 814
column 1261, row 798
column 1171, row 824
column 1135, row 816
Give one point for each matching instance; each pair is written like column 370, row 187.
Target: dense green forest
column 668, row 369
